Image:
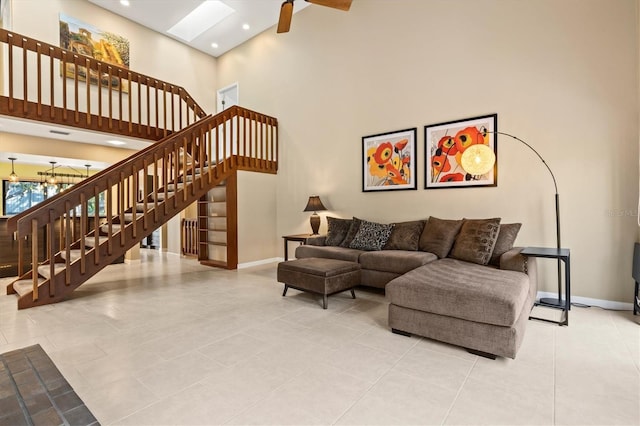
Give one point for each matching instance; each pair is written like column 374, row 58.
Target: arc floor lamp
column 479, row 159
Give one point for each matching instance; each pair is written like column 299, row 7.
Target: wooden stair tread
column 25, row 286
column 91, row 241
column 74, row 255
column 44, row 270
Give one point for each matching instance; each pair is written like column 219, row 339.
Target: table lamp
column 314, row 205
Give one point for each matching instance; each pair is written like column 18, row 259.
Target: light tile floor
column 168, row 341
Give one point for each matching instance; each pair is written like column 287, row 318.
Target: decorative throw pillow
column 438, row 236
column 371, row 236
column 353, row 230
column 506, row 238
column 405, row 235
column 336, row 230
column 476, row 240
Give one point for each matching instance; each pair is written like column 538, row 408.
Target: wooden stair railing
column 183, row 167
column 118, row 100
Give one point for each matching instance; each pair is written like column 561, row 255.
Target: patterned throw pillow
column 405, row 236
column 353, row 230
column 476, row 240
column 371, row 236
column 337, row 230
column 506, row 238
column 439, row 235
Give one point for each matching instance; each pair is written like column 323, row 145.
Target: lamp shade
column 478, row 159
column 314, row 204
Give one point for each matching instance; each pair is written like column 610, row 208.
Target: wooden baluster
column 173, row 110
column 87, row 64
column 155, row 188
column 64, row 85
column 100, row 94
column 139, row 106
column 34, row 257
column 51, row 232
column 25, row 79
column 155, row 86
column 210, row 154
column 109, row 217
column 184, row 172
column 129, row 99
column 164, row 108
column 224, row 143
column 251, row 144
column 134, row 197
column 201, row 156
column 165, row 180
column 67, row 240
column 39, row 79
column 121, row 207
column 180, row 108
column 120, row 119
column 217, row 146
column 148, row 109
column 75, row 89
column 83, row 230
column 110, row 92
column 96, row 226
column 11, row 82
column 145, row 186
column 244, row 139
column 52, row 98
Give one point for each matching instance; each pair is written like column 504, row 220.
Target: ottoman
column 320, row 276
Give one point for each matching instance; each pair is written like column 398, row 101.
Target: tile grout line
column 475, row 362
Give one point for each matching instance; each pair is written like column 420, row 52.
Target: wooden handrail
column 36, row 91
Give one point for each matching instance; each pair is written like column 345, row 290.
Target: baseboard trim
column 132, row 261
column 259, row 262
column 605, row 304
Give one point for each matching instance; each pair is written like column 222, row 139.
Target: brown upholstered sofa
column 457, row 281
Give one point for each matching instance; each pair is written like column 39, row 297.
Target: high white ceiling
column 160, row 15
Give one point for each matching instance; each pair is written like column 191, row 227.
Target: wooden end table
column 301, row 238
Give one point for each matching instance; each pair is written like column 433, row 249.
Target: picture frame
column 389, row 161
column 85, row 39
column 444, row 145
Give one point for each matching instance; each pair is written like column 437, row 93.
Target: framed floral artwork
column 446, row 142
column 389, row 161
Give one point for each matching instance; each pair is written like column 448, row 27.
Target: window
column 20, row 196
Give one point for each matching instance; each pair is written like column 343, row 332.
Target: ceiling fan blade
column 286, row 12
column 336, row 4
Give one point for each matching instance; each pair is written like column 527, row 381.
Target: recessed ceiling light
column 114, row 142
column 214, row 45
column 125, row 2
column 245, row 26
column 200, row 19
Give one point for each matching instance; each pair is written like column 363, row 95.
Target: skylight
column 203, row 17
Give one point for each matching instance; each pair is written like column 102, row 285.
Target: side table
column 564, row 255
column 301, row 238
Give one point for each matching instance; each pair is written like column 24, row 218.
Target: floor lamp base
column 551, row 301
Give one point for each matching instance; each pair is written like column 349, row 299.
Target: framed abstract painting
column 446, row 142
column 389, row 161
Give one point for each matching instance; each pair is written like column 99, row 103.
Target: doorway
column 227, row 97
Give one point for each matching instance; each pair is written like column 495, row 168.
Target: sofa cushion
column 328, row 252
column 405, row 236
column 438, row 236
column 336, row 230
column 506, row 238
column 463, row 290
column 476, row 240
column 396, row 261
column 371, row 236
column 353, row 230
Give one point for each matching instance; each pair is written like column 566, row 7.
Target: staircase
column 140, row 193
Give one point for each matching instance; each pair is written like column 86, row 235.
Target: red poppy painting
column 389, row 161
column 446, row 143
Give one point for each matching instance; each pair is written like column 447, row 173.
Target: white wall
column 562, row 75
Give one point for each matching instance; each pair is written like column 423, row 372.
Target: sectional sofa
column 457, row 281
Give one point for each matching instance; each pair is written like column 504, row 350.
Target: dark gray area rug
column 33, row 392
